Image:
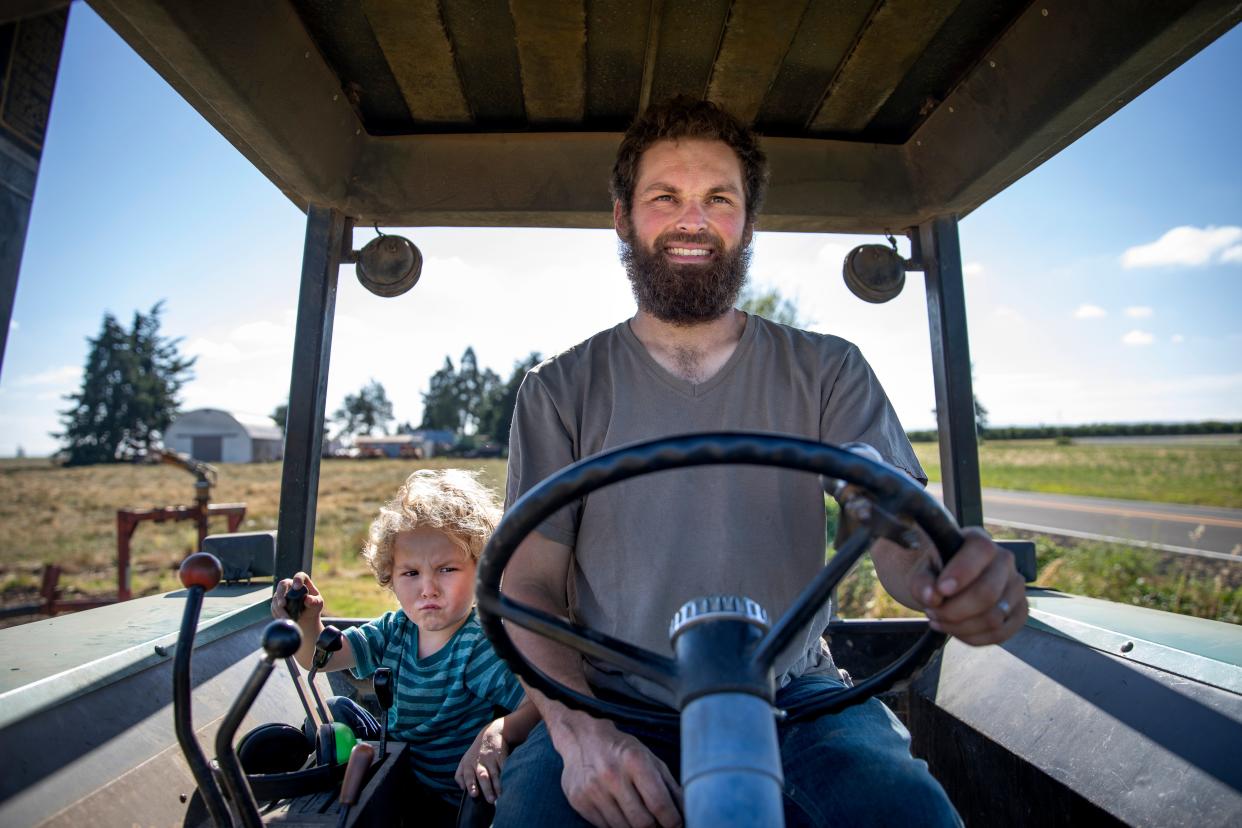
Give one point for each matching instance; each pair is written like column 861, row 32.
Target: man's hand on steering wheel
column 979, row 597
column 611, row 778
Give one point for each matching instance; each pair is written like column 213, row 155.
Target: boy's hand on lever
column 308, row 620
column 611, row 778
column 312, row 602
column 978, row 597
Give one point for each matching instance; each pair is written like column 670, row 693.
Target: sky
column 1105, row 286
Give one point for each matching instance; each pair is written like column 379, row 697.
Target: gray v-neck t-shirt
column 644, row 547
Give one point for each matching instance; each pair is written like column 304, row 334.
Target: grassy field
column 1201, row 475
column 67, row 516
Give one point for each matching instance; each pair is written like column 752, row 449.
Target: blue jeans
column 348, row 712
column 852, row 768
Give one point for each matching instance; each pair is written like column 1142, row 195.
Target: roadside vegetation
column 67, row 516
column 1141, row 577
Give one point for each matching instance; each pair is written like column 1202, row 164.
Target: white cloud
column 832, row 255
column 1178, row 339
column 1186, row 245
column 208, row 349
column 1089, row 312
column 1137, row 337
column 247, row 341
column 973, row 269
column 1138, row 312
column 1007, row 313
column 65, row 375
column 1232, row 254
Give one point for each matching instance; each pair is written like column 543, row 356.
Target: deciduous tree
column 770, row 304
column 365, row 411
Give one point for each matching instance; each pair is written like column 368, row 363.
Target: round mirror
column 389, row 265
column 874, row 273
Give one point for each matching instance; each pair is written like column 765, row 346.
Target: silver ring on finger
column 1004, row 607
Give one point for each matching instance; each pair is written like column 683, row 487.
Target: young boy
column 425, row 546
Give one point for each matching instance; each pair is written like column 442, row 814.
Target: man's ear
column 620, row 221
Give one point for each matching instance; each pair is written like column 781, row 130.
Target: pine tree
column 129, row 391
column 497, row 415
column 441, row 403
column 474, row 391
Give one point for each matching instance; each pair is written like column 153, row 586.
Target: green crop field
column 68, row 517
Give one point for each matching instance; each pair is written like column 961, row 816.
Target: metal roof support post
column 940, row 253
column 30, row 51
column 327, row 234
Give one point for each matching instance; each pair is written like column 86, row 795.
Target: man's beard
column 685, row 294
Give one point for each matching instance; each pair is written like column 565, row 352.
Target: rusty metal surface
column 963, row 96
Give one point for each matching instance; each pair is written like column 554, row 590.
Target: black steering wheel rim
column 896, row 491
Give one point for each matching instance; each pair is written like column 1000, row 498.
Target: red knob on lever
column 202, row 569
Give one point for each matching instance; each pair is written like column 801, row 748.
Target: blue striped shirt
column 441, row 702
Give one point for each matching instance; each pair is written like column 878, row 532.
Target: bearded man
column 688, row 182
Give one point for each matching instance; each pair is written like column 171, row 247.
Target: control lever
column 360, row 759
column 383, row 694
column 281, row 639
column 199, row 573
column 297, row 685
column 329, row 641
column 295, row 605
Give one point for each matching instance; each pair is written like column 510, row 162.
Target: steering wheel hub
column 718, row 608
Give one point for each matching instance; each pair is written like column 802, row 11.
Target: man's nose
column 693, row 218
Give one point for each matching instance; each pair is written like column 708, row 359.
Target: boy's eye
column 448, row 569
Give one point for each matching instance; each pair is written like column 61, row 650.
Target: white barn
column 215, row 436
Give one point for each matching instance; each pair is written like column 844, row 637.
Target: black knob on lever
column 295, row 601
column 329, row 641
column 199, row 574
column 281, row 639
column 382, row 680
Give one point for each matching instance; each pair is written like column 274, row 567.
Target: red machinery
column 127, row 520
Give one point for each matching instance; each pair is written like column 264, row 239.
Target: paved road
column 1210, row 532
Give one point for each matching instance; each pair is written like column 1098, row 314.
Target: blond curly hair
column 450, row 500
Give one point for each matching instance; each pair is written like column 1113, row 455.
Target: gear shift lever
column 383, row 694
column 281, row 639
column 199, row 574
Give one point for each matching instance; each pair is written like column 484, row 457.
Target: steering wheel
column 884, row 502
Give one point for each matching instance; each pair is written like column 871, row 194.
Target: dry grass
column 67, row 516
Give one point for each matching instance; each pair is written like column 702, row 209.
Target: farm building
column 215, row 436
